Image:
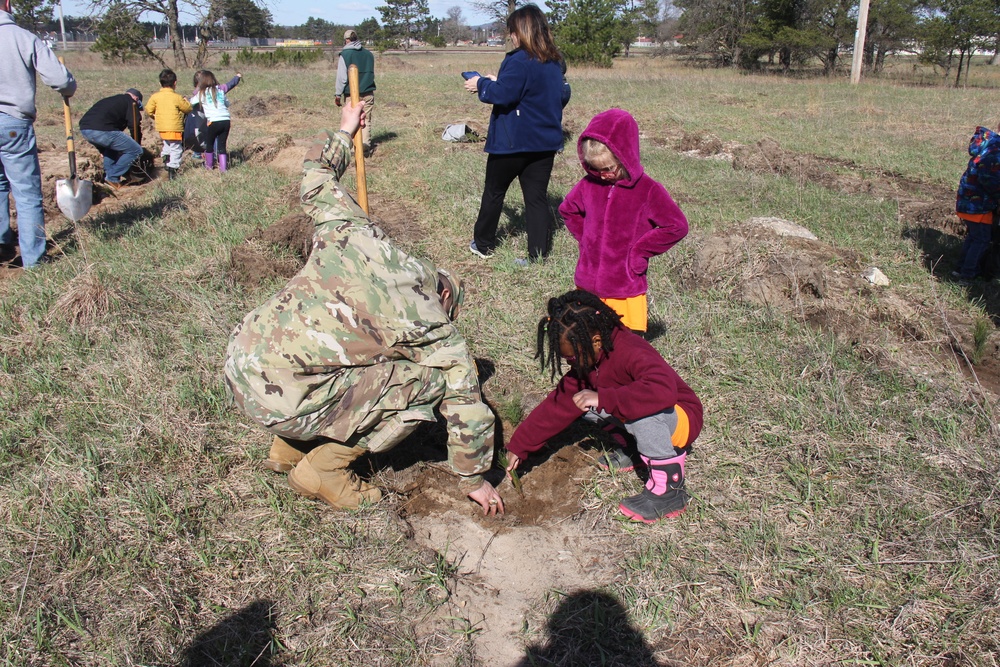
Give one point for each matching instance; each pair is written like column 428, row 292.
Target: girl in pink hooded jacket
column 620, row 217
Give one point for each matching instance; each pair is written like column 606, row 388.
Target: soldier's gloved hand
column 336, row 100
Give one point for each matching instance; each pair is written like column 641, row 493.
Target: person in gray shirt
column 22, row 54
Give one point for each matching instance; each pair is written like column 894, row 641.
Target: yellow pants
column 634, row 311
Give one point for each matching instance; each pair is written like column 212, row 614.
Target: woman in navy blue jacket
column 525, row 131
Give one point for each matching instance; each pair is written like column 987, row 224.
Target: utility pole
column 62, row 26
column 859, row 42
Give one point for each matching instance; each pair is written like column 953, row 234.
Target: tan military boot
column 282, row 457
column 322, row 474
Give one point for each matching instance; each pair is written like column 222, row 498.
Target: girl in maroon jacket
column 619, row 381
column 620, row 217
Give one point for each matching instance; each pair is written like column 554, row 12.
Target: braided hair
column 577, row 315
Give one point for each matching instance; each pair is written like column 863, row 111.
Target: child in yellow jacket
column 168, row 109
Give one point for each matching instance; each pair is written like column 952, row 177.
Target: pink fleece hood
column 616, row 129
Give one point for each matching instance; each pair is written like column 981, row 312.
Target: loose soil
column 89, row 166
column 505, row 565
column 255, row 106
column 822, row 285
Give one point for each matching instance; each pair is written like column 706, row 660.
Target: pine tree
column 403, row 18
column 591, row 30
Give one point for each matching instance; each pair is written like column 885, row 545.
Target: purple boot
column 209, row 161
column 223, row 161
column 664, row 496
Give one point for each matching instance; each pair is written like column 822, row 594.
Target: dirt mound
column 289, row 160
column 767, row 156
column 808, row 279
column 939, row 215
column 549, row 492
column 255, row 106
column 264, row 150
column 703, row 143
column 255, row 262
column 394, row 63
column 396, row 219
column 823, row 286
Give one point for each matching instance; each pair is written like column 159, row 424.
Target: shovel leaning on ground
column 74, row 196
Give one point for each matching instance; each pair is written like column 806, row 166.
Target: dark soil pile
column 264, row 150
column 823, row 286
column 278, row 251
column 255, row 106
column 549, row 492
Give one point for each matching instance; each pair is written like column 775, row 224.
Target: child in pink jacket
column 620, row 217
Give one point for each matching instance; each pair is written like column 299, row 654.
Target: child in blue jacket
column 977, row 201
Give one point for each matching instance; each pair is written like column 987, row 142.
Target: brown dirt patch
column 396, row 219
column 288, row 160
column 278, row 251
column 506, row 566
column 256, row 106
column 395, row 63
column 549, row 492
column 822, row 286
column 263, row 151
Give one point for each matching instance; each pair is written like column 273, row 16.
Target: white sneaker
column 475, row 251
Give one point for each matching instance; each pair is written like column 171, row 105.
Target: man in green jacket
column 357, row 350
column 356, row 54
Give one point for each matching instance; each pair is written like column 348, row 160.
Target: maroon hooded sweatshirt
column 619, row 226
column 632, row 381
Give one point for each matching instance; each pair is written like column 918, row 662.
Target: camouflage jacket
column 359, row 301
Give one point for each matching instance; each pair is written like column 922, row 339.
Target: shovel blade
column 74, row 197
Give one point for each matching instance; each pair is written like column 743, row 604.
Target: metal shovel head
column 74, row 197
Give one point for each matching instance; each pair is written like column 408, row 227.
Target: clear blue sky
column 348, row 12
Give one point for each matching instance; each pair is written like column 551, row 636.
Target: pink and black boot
column 664, row 496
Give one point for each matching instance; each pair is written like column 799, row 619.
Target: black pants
column 216, row 135
column 532, row 170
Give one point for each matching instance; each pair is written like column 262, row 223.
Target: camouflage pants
column 374, row 407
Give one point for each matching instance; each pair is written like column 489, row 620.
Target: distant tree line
column 750, row 34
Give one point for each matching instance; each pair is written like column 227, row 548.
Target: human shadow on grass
column 591, row 628
column 940, row 255
column 112, row 225
column 243, row 639
column 655, row 328
column 383, row 138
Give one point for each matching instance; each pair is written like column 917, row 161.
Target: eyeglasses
column 603, row 171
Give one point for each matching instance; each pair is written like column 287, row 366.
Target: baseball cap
column 137, row 94
column 350, row 34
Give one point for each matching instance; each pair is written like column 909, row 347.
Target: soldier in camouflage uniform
column 357, row 350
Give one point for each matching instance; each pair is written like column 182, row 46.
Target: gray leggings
column 652, row 434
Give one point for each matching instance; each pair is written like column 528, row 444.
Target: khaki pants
column 373, row 407
column 366, row 132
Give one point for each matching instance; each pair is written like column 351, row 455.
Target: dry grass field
column 846, row 507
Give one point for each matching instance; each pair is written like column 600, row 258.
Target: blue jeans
column 119, row 151
column 21, row 175
column 977, row 242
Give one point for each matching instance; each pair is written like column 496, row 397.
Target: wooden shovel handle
column 69, row 136
column 359, row 149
